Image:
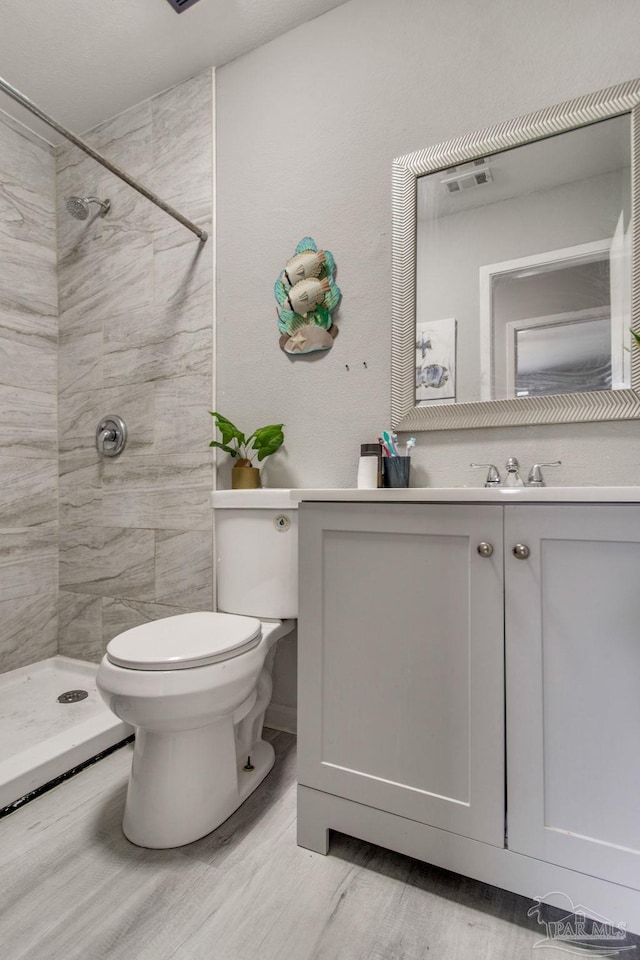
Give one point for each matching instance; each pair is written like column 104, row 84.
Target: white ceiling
column 83, row 61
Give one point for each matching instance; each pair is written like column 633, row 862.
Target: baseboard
column 281, row 717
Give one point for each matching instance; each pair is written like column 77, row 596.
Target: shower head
column 78, row 207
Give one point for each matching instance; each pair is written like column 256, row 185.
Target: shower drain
column 72, row 696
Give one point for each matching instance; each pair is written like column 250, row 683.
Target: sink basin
column 585, row 494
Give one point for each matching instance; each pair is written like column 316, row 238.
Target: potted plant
column 261, row 443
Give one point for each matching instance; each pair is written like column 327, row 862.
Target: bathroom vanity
column 469, row 666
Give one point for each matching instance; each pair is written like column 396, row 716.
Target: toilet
column 196, row 686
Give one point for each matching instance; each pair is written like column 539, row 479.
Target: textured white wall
column 307, row 128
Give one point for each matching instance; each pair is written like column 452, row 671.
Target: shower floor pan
column 40, row 738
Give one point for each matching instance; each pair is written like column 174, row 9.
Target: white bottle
column 369, row 466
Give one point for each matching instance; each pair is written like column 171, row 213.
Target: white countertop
column 500, row 494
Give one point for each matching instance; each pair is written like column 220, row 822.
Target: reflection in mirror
column 548, row 329
column 523, row 270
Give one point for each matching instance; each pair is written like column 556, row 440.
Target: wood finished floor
column 71, row 886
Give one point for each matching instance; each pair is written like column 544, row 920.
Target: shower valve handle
column 111, row 436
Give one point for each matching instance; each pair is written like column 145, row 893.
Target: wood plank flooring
column 73, row 888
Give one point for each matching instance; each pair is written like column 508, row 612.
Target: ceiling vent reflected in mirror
column 467, row 175
column 181, row 5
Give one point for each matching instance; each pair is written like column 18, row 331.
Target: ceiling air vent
column 181, row 5
column 467, row 175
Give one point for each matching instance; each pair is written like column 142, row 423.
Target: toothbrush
column 411, row 442
column 387, row 439
column 385, row 448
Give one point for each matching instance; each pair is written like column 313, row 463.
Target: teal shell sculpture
column 307, row 295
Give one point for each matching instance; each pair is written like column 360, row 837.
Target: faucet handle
column 535, row 478
column 493, row 476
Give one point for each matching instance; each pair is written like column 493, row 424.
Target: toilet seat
column 184, row 641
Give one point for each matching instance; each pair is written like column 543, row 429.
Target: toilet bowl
column 196, row 686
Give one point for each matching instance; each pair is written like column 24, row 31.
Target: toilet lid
column 187, row 640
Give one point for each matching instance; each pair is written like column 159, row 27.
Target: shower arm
column 112, row 167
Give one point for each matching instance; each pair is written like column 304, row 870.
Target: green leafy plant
column 261, row 443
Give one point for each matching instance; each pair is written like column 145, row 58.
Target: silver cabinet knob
column 521, row 551
column 485, row 549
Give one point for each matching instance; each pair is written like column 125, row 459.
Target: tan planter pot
column 245, row 477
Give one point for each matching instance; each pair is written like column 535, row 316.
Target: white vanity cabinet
column 471, row 706
column 401, row 662
column 572, row 628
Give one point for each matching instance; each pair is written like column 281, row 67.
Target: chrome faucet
column 493, row 476
column 535, row 478
column 513, row 478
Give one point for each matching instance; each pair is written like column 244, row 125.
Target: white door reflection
column 551, row 324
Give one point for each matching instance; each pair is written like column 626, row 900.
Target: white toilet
column 196, row 686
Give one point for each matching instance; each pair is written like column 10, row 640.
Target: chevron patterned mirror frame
column 620, row 404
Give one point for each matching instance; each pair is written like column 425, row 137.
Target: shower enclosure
column 107, row 309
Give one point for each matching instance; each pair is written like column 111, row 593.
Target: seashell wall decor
column 307, row 295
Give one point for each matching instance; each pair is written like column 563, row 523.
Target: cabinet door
column 401, row 696
column 573, row 687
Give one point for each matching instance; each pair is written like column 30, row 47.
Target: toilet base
column 184, row 785
column 262, row 759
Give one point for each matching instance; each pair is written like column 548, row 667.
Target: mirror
column 513, row 254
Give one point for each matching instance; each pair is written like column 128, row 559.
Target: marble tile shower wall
column 28, row 441
column 136, row 339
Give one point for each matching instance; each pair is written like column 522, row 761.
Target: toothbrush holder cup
column 395, row 471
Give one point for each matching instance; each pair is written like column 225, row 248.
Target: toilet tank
column 256, row 544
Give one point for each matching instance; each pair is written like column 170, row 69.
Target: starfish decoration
column 297, row 342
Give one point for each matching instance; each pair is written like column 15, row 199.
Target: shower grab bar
column 112, row 167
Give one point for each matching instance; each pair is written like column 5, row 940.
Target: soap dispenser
column 513, row 478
